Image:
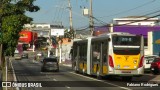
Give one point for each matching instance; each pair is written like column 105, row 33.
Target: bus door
column 75, row 56
column 82, row 56
column 103, row 61
column 96, row 56
column 99, row 57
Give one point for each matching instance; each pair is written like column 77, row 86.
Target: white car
column 148, row 59
column 17, row 56
column 40, row 54
column 16, row 51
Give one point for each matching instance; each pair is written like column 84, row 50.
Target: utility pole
column 91, row 18
column 70, row 18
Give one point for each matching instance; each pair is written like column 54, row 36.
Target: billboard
column 156, row 42
column 57, row 32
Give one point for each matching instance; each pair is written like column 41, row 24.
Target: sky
column 104, row 11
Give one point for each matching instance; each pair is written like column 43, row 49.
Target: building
column 136, row 20
column 43, row 29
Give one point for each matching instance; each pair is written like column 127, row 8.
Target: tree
column 13, row 18
column 68, row 34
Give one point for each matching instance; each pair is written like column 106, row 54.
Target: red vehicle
column 155, row 66
column 28, row 37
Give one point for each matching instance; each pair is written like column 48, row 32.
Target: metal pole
column 57, row 46
column 70, row 17
column 91, row 18
column 33, row 42
column 60, row 53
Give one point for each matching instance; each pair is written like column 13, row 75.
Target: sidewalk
column 155, row 80
column 10, row 77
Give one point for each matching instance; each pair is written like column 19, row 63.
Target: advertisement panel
column 57, row 32
column 156, row 42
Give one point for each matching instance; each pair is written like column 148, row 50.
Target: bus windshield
column 126, row 40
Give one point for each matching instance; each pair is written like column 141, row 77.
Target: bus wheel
column 127, row 78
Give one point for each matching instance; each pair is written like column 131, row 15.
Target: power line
column 58, row 12
column 107, row 25
column 140, row 20
column 130, row 9
column 104, row 23
column 152, row 10
column 83, row 29
column 61, row 12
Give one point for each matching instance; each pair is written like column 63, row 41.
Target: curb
column 14, row 76
column 155, row 81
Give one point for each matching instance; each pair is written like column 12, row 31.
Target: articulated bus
column 109, row 54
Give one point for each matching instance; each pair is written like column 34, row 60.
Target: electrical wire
column 103, row 23
column 140, row 20
column 58, row 13
column 129, row 10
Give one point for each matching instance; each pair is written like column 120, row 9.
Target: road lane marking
column 14, row 75
column 55, row 79
column 67, row 87
column 102, row 81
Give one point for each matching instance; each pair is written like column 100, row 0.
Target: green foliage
column 69, row 34
column 12, row 15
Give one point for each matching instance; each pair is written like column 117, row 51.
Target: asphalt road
column 28, row 71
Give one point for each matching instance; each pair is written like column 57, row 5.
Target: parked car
column 17, row 56
column 50, row 63
column 148, row 59
column 25, row 55
column 155, row 66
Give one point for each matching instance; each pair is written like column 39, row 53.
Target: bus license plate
column 126, row 71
